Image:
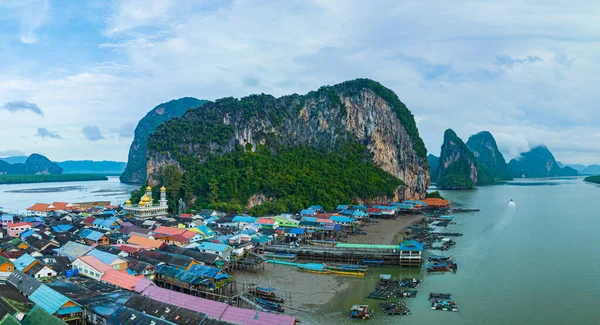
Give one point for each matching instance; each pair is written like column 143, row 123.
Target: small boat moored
column 361, row 311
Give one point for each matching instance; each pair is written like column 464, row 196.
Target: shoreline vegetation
column 593, row 179
column 50, row 178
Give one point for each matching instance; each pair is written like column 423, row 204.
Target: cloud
column 505, row 60
column 11, row 152
column 45, row 133
column 92, row 133
column 31, row 15
column 125, row 131
column 22, row 105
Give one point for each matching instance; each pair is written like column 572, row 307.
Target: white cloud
column 30, row 14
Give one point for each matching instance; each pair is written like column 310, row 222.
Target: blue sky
column 76, row 76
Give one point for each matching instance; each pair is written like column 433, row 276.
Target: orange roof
column 436, row 202
column 40, row 207
column 145, row 241
column 60, row 205
column 119, row 279
column 175, row 231
column 95, row 263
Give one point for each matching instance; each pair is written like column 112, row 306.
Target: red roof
column 169, row 230
column 373, row 210
column 89, row 220
column 324, row 220
column 19, row 224
column 133, row 248
column 186, row 215
column 95, row 263
column 265, row 221
column 13, row 254
column 179, row 238
column 40, row 207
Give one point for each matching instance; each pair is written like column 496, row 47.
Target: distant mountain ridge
column 539, row 162
column 77, row 166
column 34, row 164
column 135, row 172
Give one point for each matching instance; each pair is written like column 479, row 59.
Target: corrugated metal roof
column 366, row 246
column 61, row 228
column 69, row 310
column 341, row 219
column 39, row 316
column 105, row 257
column 213, row 247
column 48, row 299
column 24, row 261
column 73, row 250
column 120, row 279
column 91, row 234
column 411, row 245
column 95, row 263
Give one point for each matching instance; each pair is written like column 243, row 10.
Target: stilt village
column 97, row 263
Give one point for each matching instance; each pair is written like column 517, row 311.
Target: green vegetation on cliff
column 538, row 162
column 34, row 164
column 484, row 147
column 292, row 179
column 135, row 172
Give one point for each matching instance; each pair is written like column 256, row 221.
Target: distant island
column 47, row 178
column 593, row 179
column 105, row 167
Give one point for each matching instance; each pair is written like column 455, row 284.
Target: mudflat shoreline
column 385, row 231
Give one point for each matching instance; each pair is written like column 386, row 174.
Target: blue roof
column 414, row 202
column 411, row 245
column 213, row 246
column 26, row 233
column 315, row 207
column 297, row 231
column 341, row 219
column 91, row 234
column 206, row 230
column 384, row 207
column 106, row 223
column 310, row 219
column 359, row 213
column 109, row 212
column 24, row 261
column 406, row 206
column 6, row 217
column 61, row 228
column 360, row 207
column 104, row 257
column 247, row 219
column 342, row 207
column 347, row 212
column 308, row 212
column 33, row 219
column 261, row 239
column 208, row 272
column 48, row 299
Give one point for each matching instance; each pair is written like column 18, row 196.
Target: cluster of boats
column 340, row 269
column 394, row 308
column 442, row 301
column 266, row 298
column 442, row 264
column 387, row 288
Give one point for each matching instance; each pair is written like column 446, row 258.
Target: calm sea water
column 18, row 197
column 536, row 263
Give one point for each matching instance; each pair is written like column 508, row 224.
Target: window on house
column 115, row 267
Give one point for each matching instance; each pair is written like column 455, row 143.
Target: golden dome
column 145, row 198
column 149, row 188
column 128, row 202
column 163, row 189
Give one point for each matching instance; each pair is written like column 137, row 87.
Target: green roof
column 3, row 260
column 39, row 316
column 9, row 319
column 366, row 246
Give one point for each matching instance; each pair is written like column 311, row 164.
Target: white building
column 145, row 209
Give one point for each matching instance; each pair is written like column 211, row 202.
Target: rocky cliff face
column 457, row 167
column 433, row 162
column 360, row 111
column 35, row 164
column 484, row 147
column 135, row 172
column 537, row 163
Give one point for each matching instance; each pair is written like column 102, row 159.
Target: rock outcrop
column 457, row 168
column 135, row 172
column 484, row 147
column 539, row 162
column 361, row 112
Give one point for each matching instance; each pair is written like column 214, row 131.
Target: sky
column 77, row 76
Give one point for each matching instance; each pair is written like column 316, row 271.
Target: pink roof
column 252, row 317
column 169, row 230
column 131, row 248
column 265, row 221
column 142, row 285
column 18, row 224
column 179, row 238
column 324, row 220
column 211, row 308
column 119, row 279
column 95, row 263
column 186, row 215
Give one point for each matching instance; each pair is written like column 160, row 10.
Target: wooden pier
column 354, row 254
